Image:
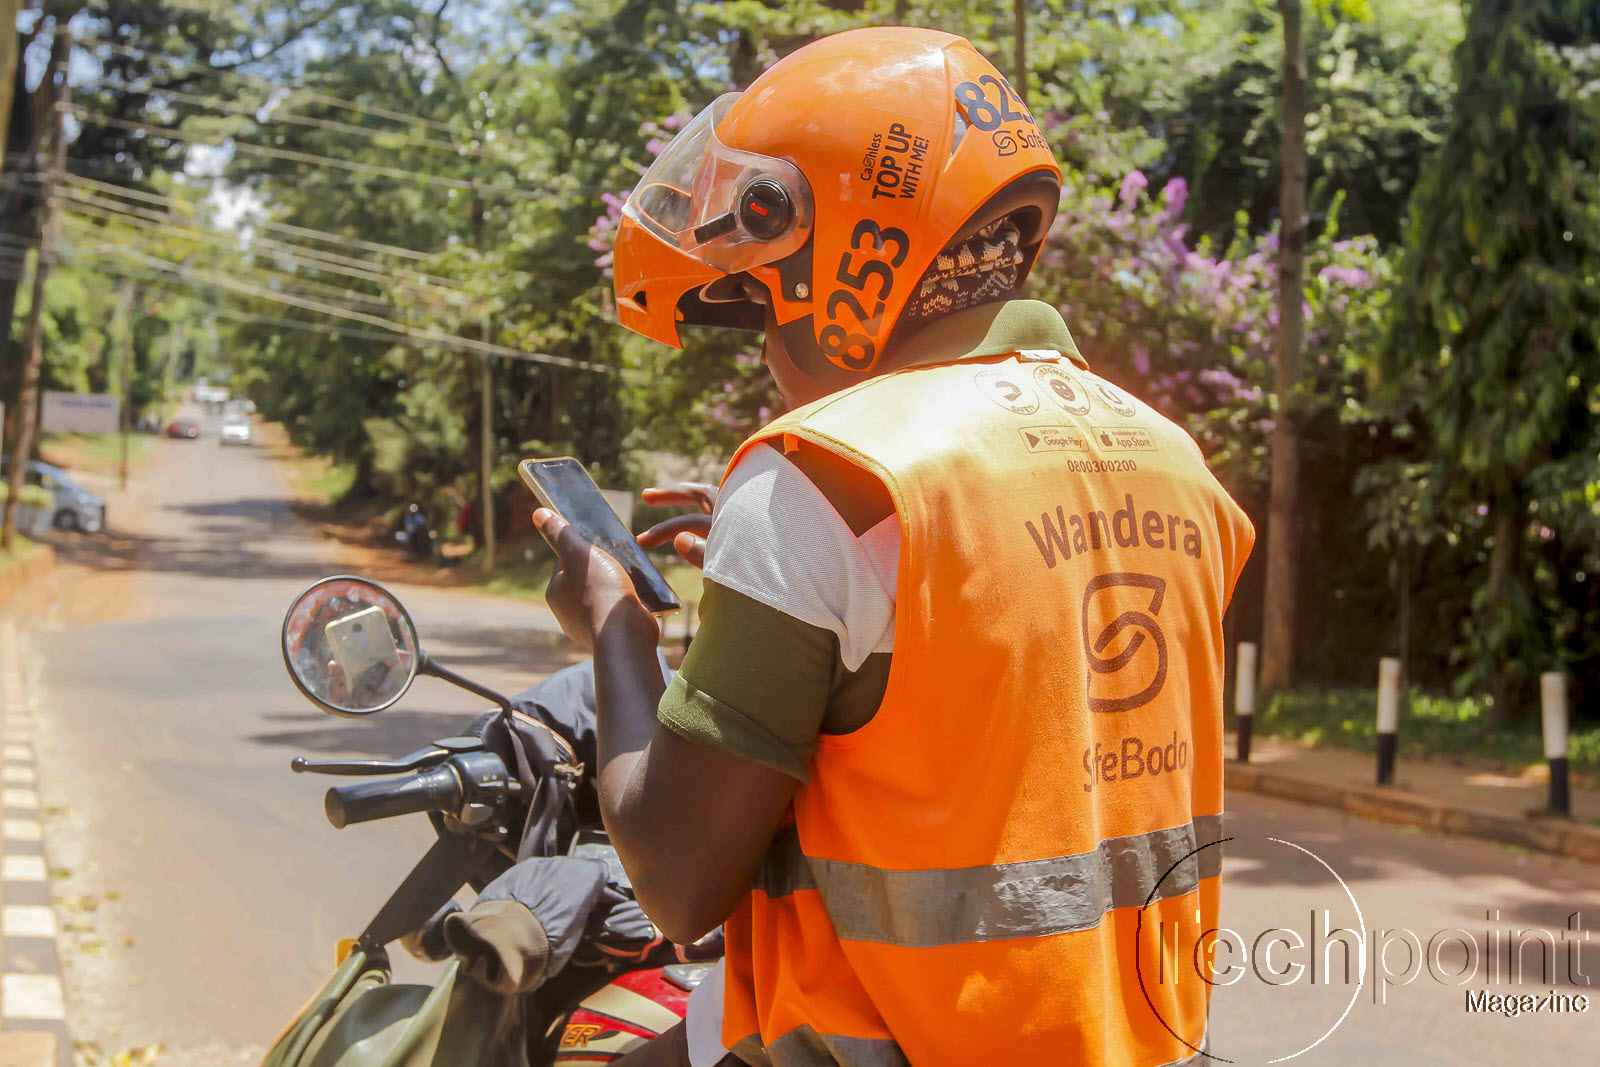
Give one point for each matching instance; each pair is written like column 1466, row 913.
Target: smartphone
column 363, row 645
column 563, row 486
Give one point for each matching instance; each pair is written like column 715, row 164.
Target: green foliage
column 1378, row 103
column 1430, row 725
column 1494, row 346
column 32, row 496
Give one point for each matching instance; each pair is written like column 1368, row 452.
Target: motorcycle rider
column 945, row 757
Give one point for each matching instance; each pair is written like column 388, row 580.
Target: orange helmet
column 833, row 180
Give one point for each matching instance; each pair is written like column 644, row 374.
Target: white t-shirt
column 776, row 539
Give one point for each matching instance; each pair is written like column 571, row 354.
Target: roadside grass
column 32, row 496
column 318, row 482
column 1431, row 725
column 97, row 453
column 24, row 550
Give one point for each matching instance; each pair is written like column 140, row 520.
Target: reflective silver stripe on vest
column 1033, row 898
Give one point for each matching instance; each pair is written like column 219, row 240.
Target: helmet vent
column 960, row 131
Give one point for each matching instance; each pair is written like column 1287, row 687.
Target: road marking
column 22, row 869
column 31, row 996
column 31, row 993
column 28, row 920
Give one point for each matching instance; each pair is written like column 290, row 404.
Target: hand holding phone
column 562, row 485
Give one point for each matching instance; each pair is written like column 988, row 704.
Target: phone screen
column 563, row 486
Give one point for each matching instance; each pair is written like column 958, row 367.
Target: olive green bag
column 359, row 1019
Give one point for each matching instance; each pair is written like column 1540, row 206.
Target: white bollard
column 1244, row 698
column 1553, row 718
column 1388, row 717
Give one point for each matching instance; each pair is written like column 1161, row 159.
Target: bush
column 33, row 496
column 1431, row 725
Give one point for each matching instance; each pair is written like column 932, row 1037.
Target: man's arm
column 691, row 822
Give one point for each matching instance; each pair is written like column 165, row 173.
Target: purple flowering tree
column 1191, row 328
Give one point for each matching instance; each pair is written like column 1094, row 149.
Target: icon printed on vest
column 1123, row 438
column 1060, row 387
column 1053, row 439
column 1115, row 399
column 1008, row 390
column 1114, row 604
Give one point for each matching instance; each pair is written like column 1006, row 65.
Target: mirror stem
column 426, row 664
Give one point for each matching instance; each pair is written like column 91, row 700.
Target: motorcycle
column 554, row 963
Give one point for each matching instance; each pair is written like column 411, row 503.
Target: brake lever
column 422, row 757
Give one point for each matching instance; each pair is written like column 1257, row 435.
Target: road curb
column 33, row 1028
column 1560, row 837
column 17, row 577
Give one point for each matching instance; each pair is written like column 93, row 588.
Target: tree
column 1495, row 327
column 1281, row 600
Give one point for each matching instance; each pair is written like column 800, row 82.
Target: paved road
column 213, row 890
column 208, row 891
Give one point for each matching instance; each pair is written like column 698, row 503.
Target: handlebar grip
column 437, row 789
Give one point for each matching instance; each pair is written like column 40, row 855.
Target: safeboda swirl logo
column 1108, row 595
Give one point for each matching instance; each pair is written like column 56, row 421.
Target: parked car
column 184, row 429
column 72, row 506
column 235, row 431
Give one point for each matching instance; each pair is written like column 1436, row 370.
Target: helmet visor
column 729, row 209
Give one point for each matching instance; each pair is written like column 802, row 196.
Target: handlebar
column 471, row 780
column 438, row 789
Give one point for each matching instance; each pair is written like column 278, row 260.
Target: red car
column 187, row 429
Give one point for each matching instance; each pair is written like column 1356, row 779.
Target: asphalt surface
column 203, row 891
column 212, row 889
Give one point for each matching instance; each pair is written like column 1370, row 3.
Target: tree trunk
column 1019, row 40
column 1504, row 563
column 1281, row 597
column 28, row 396
column 8, row 68
column 18, row 219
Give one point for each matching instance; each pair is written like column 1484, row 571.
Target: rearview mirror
column 350, row 646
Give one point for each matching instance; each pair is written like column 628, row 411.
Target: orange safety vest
column 1009, row 861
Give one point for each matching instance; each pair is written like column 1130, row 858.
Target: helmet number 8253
column 872, row 279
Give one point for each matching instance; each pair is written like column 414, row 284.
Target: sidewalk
column 33, row 1031
column 1433, row 794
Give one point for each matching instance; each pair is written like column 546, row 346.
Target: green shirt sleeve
column 756, row 682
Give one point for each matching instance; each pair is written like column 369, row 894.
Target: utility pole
column 28, row 395
column 125, row 331
column 486, row 458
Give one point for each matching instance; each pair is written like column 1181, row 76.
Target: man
column 945, row 757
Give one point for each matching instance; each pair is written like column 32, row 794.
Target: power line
column 183, row 66
column 225, row 282
column 267, row 274
column 310, row 257
column 282, row 227
column 279, row 118
column 100, row 118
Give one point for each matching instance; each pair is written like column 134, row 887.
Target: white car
column 235, row 432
